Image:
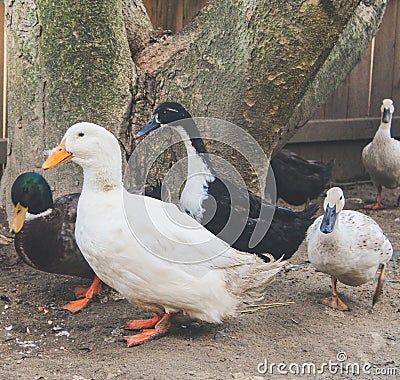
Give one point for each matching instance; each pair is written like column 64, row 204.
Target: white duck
column 348, row 245
column 159, row 258
column 381, row 157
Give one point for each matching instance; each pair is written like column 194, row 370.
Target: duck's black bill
column 386, row 115
column 151, row 125
column 329, row 219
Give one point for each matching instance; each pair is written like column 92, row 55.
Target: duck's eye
column 341, row 197
column 81, row 134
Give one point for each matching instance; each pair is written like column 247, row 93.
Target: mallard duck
column 159, row 258
column 223, row 207
column 298, row 180
column 347, row 245
column 45, row 234
column 381, row 157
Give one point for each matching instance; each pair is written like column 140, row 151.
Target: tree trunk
column 263, row 65
column 69, row 61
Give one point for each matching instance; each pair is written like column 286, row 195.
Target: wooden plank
column 150, row 6
column 2, row 82
column 3, row 151
column 336, row 106
column 342, row 130
column 382, row 75
column 319, row 113
column 396, row 67
column 357, row 105
column 347, row 156
column 191, row 8
column 172, row 14
column 162, row 14
column 175, row 14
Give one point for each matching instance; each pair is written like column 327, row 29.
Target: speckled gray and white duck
column 381, row 157
column 348, row 245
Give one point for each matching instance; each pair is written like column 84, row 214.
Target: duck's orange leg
column 77, row 305
column 335, row 301
column 137, row 324
column 379, row 287
column 378, row 205
column 160, row 328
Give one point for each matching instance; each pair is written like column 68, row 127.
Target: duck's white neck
column 103, row 177
column 197, row 165
column 198, row 177
column 385, row 127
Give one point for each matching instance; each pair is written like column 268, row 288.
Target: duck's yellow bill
column 59, row 155
column 18, row 219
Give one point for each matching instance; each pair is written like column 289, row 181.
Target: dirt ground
column 54, row 344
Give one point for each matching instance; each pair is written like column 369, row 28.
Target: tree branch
column 137, row 24
column 252, row 63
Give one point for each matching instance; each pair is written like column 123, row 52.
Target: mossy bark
column 263, row 65
column 69, row 61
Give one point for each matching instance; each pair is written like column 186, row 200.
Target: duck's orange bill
column 59, row 155
column 18, row 219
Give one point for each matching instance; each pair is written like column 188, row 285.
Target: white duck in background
column 347, row 245
column 381, row 157
column 159, row 258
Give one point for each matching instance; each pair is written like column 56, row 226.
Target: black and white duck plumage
column 213, row 201
column 45, row 233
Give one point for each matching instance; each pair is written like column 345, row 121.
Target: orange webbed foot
column 81, row 290
column 86, row 292
column 160, row 328
column 335, row 302
column 77, row 305
column 137, row 324
column 375, row 206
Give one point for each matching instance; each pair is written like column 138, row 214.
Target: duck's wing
column 163, row 230
column 365, row 233
column 281, row 237
column 251, row 224
column 47, row 241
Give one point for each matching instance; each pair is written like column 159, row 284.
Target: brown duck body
column 47, row 241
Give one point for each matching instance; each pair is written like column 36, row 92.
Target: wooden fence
column 349, row 119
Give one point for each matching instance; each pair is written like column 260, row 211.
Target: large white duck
column 159, row 258
column 348, row 245
column 381, row 157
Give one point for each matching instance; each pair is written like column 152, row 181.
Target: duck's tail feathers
column 309, row 212
column 327, row 173
column 251, row 286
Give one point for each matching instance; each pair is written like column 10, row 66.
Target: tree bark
column 263, row 65
column 69, row 61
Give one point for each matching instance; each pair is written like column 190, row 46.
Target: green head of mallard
column 31, row 193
